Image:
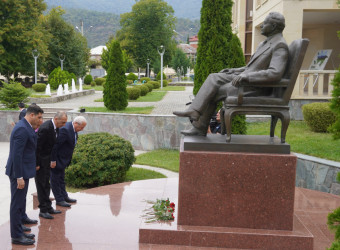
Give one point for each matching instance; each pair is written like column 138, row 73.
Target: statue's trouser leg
column 215, row 88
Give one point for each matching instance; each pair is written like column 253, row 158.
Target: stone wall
column 317, row 174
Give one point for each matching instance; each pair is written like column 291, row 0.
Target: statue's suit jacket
column 21, row 161
column 63, row 148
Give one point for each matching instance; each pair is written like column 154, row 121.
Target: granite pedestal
column 235, row 200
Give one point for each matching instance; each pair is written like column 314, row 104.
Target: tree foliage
column 180, row 60
column 218, row 47
column 149, row 25
column 65, row 41
column 21, row 32
column 105, row 58
column 115, row 95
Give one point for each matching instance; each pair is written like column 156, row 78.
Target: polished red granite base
column 110, row 217
column 243, row 190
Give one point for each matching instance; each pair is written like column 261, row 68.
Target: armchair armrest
column 282, row 83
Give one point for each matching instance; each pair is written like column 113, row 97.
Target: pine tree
column 218, row 47
column 115, row 94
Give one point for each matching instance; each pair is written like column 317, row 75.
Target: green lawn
column 171, row 88
column 128, row 110
column 96, row 88
column 154, row 96
column 136, row 174
column 163, row 158
column 302, row 139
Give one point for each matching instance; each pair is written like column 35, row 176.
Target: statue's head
column 273, row 24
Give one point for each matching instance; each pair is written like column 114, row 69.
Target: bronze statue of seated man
column 267, row 65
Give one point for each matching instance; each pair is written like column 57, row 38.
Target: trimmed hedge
column 149, row 86
column 318, row 116
column 156, row 85
column 165, row 83
column 88, row 79
column 39, row 87
column 146, row 79
column 99, row 159
column 143, row 90
column 133, row 93
column 99, row 81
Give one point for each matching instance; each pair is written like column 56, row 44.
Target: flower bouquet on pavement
column 161, row 210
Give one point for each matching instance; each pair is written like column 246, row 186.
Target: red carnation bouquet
column 161, row 210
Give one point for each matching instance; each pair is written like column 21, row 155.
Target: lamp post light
column 61, row 58
column 148, row 63
column 35, row 54
column 161, row 51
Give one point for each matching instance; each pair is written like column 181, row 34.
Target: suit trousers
column 17, row 207
column 58, row 184
column 42, row 182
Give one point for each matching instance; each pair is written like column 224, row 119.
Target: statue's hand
column 227, row 71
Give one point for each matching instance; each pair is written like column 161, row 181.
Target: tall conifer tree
column 218, row 47
column 115, row 94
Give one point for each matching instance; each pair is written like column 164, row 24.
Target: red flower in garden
column 172, row 205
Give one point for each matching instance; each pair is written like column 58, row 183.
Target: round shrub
column 93, row 83
column 129, row 82
column 58, row 77
column 99, row 81
column 88, row 79
column 156, row 85
column 318, row 116
column 146, row 79
column 143, row 90
column 149, row 86
column 165, row 83
column 133, row 93
column 132, row 76
column 39, row 87
column 99, row 159
column 13, row 93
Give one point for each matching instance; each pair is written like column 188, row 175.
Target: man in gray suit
column 267, row 64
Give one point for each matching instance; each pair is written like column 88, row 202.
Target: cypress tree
column 115, row 94
column 218, row 48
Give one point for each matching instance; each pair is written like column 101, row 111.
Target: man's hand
column 37, row 168
column 21, row 183
column 53, row 164
column 236, row 82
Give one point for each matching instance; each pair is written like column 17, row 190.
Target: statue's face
column 268, row 27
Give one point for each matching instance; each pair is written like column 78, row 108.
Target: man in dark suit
column 266, row 65
column 22, row 110
column 61, row 157
column 47, row 136
column 20, row 168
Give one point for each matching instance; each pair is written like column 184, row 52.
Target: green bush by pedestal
column 99, row 159
column 318, row 116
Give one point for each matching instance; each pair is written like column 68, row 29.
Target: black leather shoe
column 194, row 131
column 53, row 211
column 46, row 216
column 22, row 241
column 63, row 204
column 25, row 229
column 68, row 199
column 29, row 221
column 29, row 236
column 192, row 114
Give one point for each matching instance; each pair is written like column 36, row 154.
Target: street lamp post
column 62, row 58
column 148, row 63
column 35, row 54
column 161, row 51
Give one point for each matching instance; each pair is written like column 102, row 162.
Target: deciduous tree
column 149, row 25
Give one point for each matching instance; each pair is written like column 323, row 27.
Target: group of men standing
column 44, row 154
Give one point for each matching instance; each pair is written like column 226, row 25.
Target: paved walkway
column 173, row 100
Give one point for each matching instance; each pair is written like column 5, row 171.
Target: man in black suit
column 22, row 110
column 61, row 157
column 267, row 64
column 47, row 135
column 20, row 168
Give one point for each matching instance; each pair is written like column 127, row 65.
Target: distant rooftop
column 97, row 50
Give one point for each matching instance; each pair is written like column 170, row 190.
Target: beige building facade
column 317, row 20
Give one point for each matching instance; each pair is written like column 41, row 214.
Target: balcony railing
column 314, row 84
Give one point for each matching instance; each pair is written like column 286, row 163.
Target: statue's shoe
column 194, row 131
column 192, row 114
